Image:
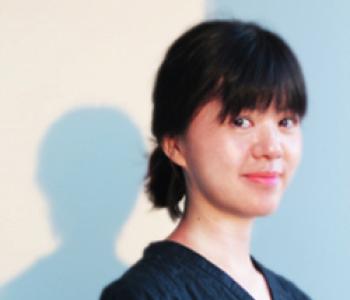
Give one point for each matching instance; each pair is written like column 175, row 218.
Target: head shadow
column 91, row 165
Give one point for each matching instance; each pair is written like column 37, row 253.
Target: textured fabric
column 169, row 270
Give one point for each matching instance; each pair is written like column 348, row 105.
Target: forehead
column 207, row 114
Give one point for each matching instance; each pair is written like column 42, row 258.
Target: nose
column 267, row 143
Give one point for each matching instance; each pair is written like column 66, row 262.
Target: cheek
column 216, row 157
column 295, row 146
column 235, row 153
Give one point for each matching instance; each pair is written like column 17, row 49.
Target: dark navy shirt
column 169, row 270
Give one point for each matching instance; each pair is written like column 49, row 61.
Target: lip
column 269, row 178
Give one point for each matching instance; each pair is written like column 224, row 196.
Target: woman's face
column 241, row 166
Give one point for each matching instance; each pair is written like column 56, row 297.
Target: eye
column 288, row 122
column 242, row 122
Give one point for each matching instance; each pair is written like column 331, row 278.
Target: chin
column 266, row 207
column 269, row 210
column 258, row 210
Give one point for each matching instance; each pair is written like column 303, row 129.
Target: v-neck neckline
column 180, row 252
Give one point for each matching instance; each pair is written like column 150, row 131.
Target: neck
column 223, row 240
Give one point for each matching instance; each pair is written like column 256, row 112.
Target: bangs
column 263, row 74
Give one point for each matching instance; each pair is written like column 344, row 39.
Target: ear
column 174, row 149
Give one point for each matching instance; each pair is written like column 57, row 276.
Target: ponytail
column 165, row 183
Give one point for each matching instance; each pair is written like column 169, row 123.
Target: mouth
column 268, row 179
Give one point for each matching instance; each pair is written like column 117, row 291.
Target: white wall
column 57, row 56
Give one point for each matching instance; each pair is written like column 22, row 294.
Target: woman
column 228, row 101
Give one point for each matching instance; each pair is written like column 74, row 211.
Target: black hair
column 240, row 63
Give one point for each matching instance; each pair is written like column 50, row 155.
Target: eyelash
column 238, row 122
column 293, row 120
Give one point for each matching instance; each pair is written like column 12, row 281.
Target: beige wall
column 56, row 56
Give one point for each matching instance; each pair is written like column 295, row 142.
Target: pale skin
column 235, row 171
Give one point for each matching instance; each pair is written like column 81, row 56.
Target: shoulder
column 283, row 287
column 130, row 287
column 291, row 288
column 150, row 278
column 123, row 290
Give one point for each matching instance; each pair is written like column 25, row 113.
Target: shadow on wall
column 91, row 166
